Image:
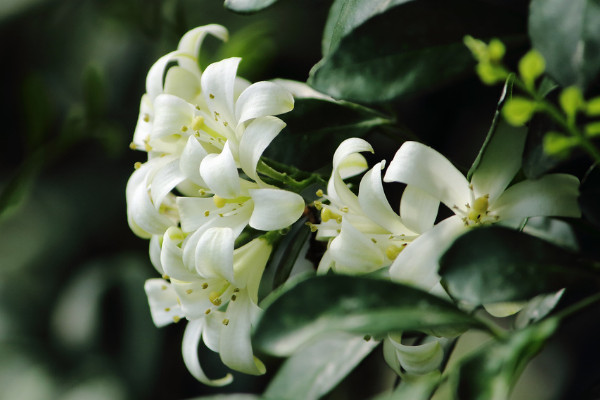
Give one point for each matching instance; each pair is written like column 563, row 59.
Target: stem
column 287, row 180
column 559, row 118
column 588, row 301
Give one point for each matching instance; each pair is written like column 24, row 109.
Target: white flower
column 218, row 296
column 366, row 234
column 414, row 359
column 484, row 200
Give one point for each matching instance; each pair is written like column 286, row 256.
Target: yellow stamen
column 176, row 319
column 225, row 322
column 392, row 251
column 197, row 123
column 319, row 193
column 214, row 298
column 137, row 165
column 219, row 201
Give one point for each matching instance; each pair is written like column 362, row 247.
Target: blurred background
column 74, row 321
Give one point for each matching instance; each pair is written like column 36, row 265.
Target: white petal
column 162, row 299
column 235, row 347
column 165, row 180
column 214, row 254
column 154, row 79
column 191, row 157
column 275, row 208
column 262, row 99
column 192, row 40
column 143, row 127
column 375, row 205
column 390, row 356
column 183, row 84
column 354, row 253
column 327, row 262
column 197, row 211
column 418, row 209
column 348, row 147
column 249, row 262
column 504, row 309
column 171, row 256
column 257, row 136
column 551, row 195
column 419, row 359
column 301, row 90
column 218, row 81
column 154, row 250
column 421, row 166
column 220, row 173
column 170, row 114
column 353, row 164
column 193, row 296
column 212, row 330
column 418, row 263
column 189, row 349
column 500, row 161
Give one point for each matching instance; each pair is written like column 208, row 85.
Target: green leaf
column 491, row 372
column 403, row 49
column 319, row 367
column 567, row 33
column 352, row 304
column 316, row 127
column 531, row 67
column 494, row 264
column 232, row 396
column 571, row 101
column 518, row 110
column 558, row 145
column 247, row 6
column 501, row 138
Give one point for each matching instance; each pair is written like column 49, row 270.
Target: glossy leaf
column 491, row 372
column 488, row 265
column 567, row 33
column 362, row 64
column 319, row 367
column 316, row 127
column 247, row 6
column 359, row 305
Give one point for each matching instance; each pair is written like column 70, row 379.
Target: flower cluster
column 204, row 132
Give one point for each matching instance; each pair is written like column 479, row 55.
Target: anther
column 189, row 291
column 225, row 322
column 206, row 213
column 184, row 128
column 204, row 285
column 176, row 319
column 313, row 227
column 167, row 309
column 318, row 205
column 367, row 338
column 319, row 193
column 132, row 146
column 166, row 277
column 163, row 287
column 207, row 311
column 137, row 165
column 214, row 298
column 233, row 297
column 146, row 118
column 212, row 96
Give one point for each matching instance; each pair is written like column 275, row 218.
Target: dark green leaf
column 233, row 396
column 247, row 6
column 38, row 110
column 493, row 264
column 316, row 127
column 351, row 304
column 319, row 367
column 426, row 51
column 502, row 140
column 567, row 33
column 589, row 200
column 15, row 191
column 94, row 92
column 492, row 371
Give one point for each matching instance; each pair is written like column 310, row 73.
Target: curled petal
column 170, row 114
column 189, row 349
column 348, row 147
column 275, row 208
column 143, row 128
column 191, row 157
column 249, row 262
column 418, row 209
column 262, row 99
column 418, row 359
column 235, row 347
column 183, row 83
column 551, row 195
column 218, row 83
column 375, row 205
column 301, row 90
column 214, row 254
column 354, row 253
column 171, row 256
column 192, row 41
column 154, row 250
column 220, row 173
column 418, row 263
column 167, row 177
column 257, row 136
column 421, row 166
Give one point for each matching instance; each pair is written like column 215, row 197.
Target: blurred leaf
column 536, row 162
column 233, row 396
column 247, row 6
column 567, row 33
column 415, row 387
column 427, row 49
column 491, row 372
column 318, row 367
column 494, row 264
column 37, row 109
column 20, row 184
column 352, row 304
column 94, row 92
column 589, row 199
column 315, row 128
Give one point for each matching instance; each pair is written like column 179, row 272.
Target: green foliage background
column 74, row 322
